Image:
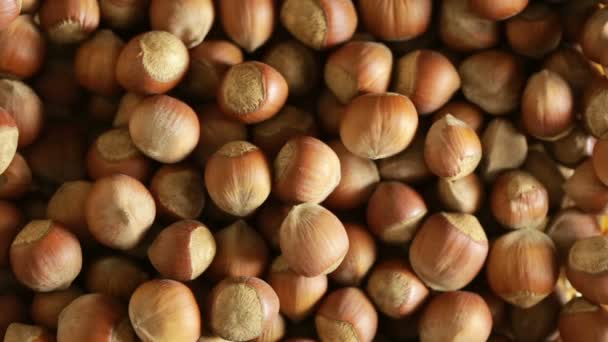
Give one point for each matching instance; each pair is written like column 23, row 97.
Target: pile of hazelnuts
column 303, row 170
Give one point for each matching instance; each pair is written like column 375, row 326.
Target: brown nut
column 449, row 250
column 452, row 149
column 241, row 251
column 297, row 294
column 95, row 63
column 114, row 152
column 119, row 211
column 582, row 320
column 587, row 269
column 536, row 31
column 313, row 240
column 183, row 250
column 463, row 111
column 586, row 189
column 395, row 289
column 252, row 92
column 189, row 20
column 518, row 200
column 216, row 131
column 461, row 29
column 115, row 276
column 460, row 313
column 250, row 299
column 464, row 195
column 377, row 126
column 67, row 206
column 152, row 63
column 45, row 256
column 522, row 267
column 319, row 24
column 297, row 63
column 22, row 47
column 493, row 80
column 179, row 191
column 69, row 21
column 25, row 106
column 359, row 259
column 305, row 170
column 358, row 68
column 428, row 78
column 498, row 9
column 394, row 212
column 248, row 22
column 346, row 315
column 409, row 18
column 165, row 310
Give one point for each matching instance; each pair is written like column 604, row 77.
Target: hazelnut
column 25, row 106
column 428, row 78
column 152, row 63
column 504, row 148
column 572, row 66
column 22, row 47
column 593, row 109
column 9, row 139
column 119, row 210
column 600, row 160
column 462, row 154
column 249, row 23
column 164, row 128
column 377, row 126
column 297, row 63
column 319, row 24
column 592, row 38
column 346, row 315
column 165, row 310
column 313, row 240
column 209, row 61
column 329, row 110
column 238, row 178
column 183, row 250
column 359, row 259
column 189, row 20
column 69, row 21
column 535, row 31
column 394, row 212
column 16, row 180
column 114, row 152
column 9, row 10
column 242, row 308
column 126, row 107
column 461, row 29
column 409, row 18
column 179, row 191
column 358, row 68
column 547, row 106
column 449, row 250
column 252, row 92
column 45, row 256
column 586, row 189
column 115, row 276
column 518, row 200
column 573, row 148
column 456, row 315
column 94, row 316
column 537, row 323
column 17, row 332
column 587, row 268
column 395, row 289
column 269, row 220
column 522, row 267
column 493, row 80
column 297, row 294
column 570, row 225
column 464, row 195
column 240, row 251
column 582, row 320
column 548, row 173
column 305, row 170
